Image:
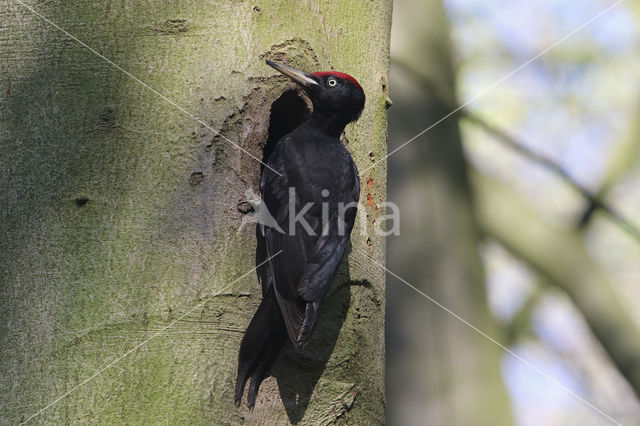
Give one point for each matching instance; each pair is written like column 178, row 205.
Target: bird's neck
column 328, row 123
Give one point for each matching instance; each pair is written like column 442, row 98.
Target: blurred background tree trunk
column 440, row 371
column 126, row 274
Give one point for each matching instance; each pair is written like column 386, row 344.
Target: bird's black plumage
column 312, row 176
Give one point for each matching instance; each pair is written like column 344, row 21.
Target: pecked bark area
column 126, row 265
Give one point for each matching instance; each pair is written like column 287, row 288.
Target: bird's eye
column 332, row 82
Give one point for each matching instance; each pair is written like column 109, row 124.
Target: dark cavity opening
column 81, row 201
column 287, row 113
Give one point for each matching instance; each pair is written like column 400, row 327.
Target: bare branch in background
column 561, row 256
column 622, row 160
column 624, row 157
column 595, row 201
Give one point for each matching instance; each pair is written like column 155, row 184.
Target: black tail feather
column 260, row 346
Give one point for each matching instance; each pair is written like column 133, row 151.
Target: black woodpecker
column 311, row 202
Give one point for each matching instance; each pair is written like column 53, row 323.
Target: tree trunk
column 440, row 371
column 127, row 269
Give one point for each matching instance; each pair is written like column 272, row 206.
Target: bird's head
column 332, row 93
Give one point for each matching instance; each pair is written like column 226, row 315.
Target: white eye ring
column 332, row 83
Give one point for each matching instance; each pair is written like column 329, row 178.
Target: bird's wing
column 287, row 268
column 327, row 253
column 325, row 258
column 303, row 273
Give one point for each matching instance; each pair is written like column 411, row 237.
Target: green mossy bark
column 119, row 211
